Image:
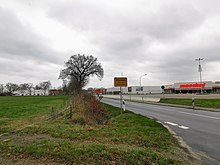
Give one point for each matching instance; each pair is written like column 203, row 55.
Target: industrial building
column 193, row 87
column 135, row 90
column 176, row 88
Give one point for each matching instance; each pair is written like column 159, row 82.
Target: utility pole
column 200, row 70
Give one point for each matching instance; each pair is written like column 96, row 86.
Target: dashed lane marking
column 176, row 125
column 183, row 127
column 170, row 123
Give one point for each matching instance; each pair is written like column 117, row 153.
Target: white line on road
column 170, row 123
column 199, row 115
column 183, row 127
column 177, row 125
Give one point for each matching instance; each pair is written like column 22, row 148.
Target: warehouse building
column 134, row 90
column 193, row 87
column 176, row 88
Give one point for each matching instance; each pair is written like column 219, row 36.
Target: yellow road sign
column 120, row 81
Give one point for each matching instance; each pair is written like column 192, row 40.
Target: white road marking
column 177, row 125
column 170, row 123
column 199, row 115
column 183, row 127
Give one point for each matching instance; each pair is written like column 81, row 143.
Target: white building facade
column 135, row 90
column 193, row 87
column 180, row 87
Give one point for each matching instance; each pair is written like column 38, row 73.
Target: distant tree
column 22, row 88
column 1, row 88
column 37, row 87
column 28, row 87
column 45, row 86
column 78, row 69
column 11, row 87
column 65, row 87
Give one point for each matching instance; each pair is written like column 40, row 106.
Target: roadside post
column 163, row 87
column 193, row 103
column 121, row 99
column 123, row 104
column 120, row 82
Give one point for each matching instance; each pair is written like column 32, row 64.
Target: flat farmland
column 29, row 137
column 17, row 112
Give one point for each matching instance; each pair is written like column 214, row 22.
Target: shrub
column 88, row 110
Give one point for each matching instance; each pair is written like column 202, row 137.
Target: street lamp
column 141, row 77
column 200, row 70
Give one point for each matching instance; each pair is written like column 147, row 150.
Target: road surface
column 199, row 129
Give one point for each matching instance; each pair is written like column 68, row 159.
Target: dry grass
column 88, row 110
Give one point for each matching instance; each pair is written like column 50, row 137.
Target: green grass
column 18, row 111
column 208, row 103
column 126, row 139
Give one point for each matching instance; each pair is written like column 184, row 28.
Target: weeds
column 87, row 109
column 126, row 139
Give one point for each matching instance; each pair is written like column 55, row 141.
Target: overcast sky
column 161, row 38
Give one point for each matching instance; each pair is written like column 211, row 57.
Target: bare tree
column 11, row 87
column 28, row 87
column 78, row 69
column 36, row 88
column 45, row 86
column 23, row 88
column 1, row 88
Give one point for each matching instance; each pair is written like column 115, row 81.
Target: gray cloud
column 25, row 56
column 161, row 38
column 122, row 33
column 20, row 40
column 126, row 36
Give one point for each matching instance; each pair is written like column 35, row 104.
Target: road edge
column 195, row 157
column 171, row 105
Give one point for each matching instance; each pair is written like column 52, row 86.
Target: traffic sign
column 120, row 81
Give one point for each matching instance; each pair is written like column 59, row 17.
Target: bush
column 88, row 110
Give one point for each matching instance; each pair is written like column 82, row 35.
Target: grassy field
column 208, row 103
column 16, row 112
column 125, row 139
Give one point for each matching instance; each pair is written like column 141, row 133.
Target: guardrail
column 139, row 98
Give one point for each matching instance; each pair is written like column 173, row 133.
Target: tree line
column 10, row 88
column 75, row 75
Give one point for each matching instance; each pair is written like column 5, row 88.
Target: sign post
column 120, row 82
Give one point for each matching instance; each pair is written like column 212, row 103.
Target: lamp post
column 200, row 70
column 140, row 79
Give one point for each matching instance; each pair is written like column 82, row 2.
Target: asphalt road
column 199, row 129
